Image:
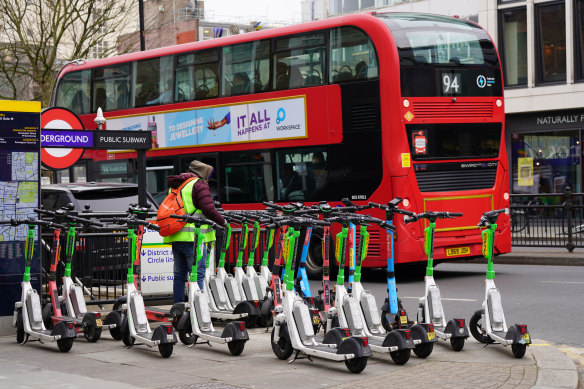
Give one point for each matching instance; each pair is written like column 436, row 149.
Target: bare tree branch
column 38, row 36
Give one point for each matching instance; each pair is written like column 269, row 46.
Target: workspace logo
column 280, row 116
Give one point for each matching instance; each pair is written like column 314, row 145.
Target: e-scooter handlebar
column 32, row 221
column 392, row 207
column 490, row 217
column 191, row 218
column 64, row 213
column 133, row 220
column 432, row 216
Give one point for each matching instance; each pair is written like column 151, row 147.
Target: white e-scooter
column 488, row 324
column 28, row 318
column 196, row 322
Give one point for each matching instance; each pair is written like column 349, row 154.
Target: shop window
column 579, row 39
column 353, row 56
column 550, row 41
column 546, row 162
column 514, row 46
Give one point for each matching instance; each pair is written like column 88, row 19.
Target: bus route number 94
column 451, row 84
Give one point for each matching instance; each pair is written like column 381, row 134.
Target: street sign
column 122, row 140
column 60, row 119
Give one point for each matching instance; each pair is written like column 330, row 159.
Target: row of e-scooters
column 350, row 319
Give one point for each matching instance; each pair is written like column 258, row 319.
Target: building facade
column 542, row 52
column 541, row 45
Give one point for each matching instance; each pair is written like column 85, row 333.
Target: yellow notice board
column 525, row 171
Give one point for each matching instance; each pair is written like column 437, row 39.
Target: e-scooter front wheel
column 356, row 365
column 518, row 350
column 236, row 347
column 476, row 328
column 283, row 348
column 401, row 357
column 127, row 338
column 47, row 314
column 114, row 317
column 19, row 328
column 165, row 349
column 186, row 336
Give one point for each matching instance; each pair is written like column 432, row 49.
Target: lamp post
column 141, row 14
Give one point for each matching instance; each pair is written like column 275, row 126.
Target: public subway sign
column 261, row 120
column 121, row 140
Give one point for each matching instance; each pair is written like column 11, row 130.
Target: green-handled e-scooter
column 430, row 309
column 196, row 322
column 28, row 318
column 135, row 326
column 488, row 324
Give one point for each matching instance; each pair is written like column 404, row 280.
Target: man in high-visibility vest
column 196, row 198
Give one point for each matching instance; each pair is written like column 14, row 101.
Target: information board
column 19, row 194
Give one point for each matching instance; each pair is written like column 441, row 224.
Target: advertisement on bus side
column 263, row 120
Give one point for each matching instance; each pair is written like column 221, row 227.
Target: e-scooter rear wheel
column 92, row 333
column 476, row 328
column 250, row 321
column 165, row 349
column 423, row 350
column 457, row 344
column 400, row 357
column 65, row 344
column 518, row 350
column 236, row 347
column 283, row 348
column 356, row 365
column 19, row 328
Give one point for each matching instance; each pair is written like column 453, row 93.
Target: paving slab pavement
column 108, row 363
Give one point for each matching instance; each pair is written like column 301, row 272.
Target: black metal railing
column 548, row 220
column 100, row 264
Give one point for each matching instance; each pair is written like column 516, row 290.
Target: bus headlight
column 406, row 103
column 506, row 196
column 499, row 103
column 406, row 203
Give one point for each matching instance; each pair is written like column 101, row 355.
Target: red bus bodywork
column 324, row 125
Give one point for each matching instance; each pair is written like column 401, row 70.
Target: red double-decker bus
column 366, row 106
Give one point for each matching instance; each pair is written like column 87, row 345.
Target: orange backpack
column 172, row 205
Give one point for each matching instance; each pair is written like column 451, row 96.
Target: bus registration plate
column 457, row 251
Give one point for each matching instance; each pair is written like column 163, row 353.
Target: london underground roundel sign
column 57, row 118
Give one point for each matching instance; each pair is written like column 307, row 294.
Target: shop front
column 545, row 152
